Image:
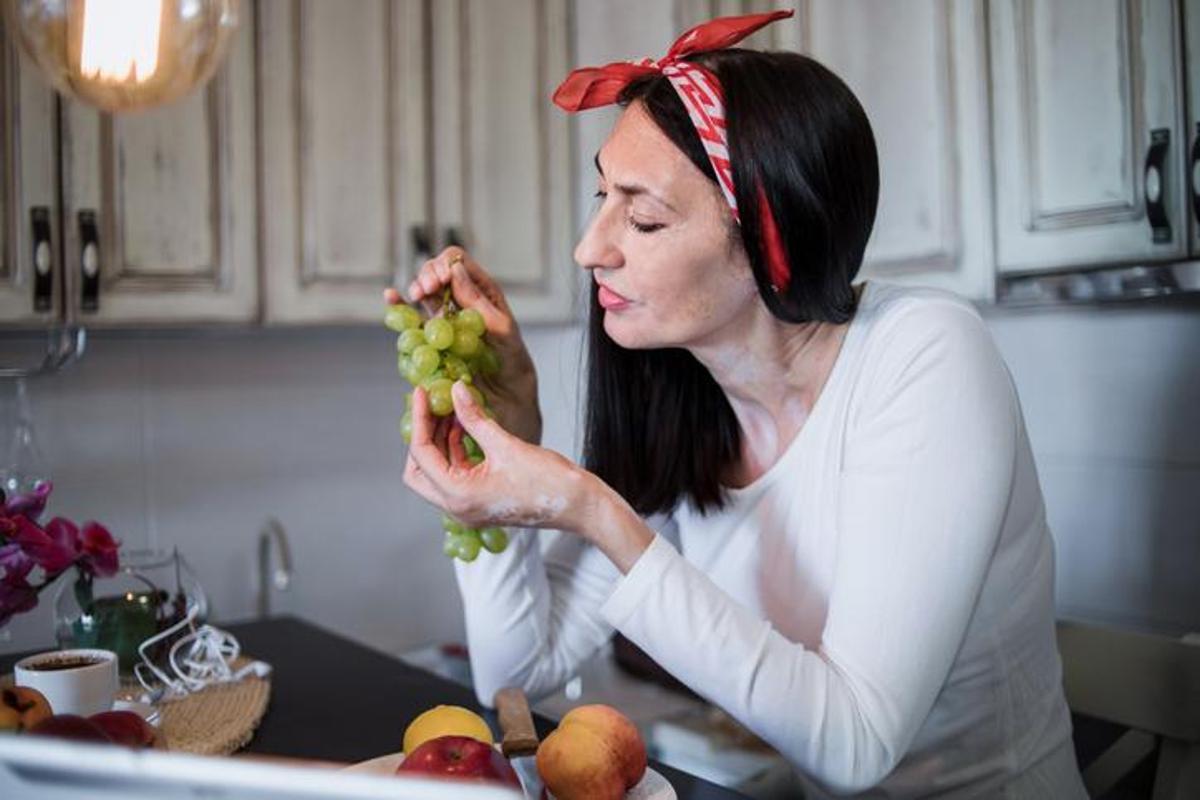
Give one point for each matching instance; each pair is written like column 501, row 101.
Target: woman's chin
column 634, row 334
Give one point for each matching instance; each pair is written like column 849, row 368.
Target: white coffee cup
column 81, row 681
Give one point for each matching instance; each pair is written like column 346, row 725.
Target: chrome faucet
column 281, row 578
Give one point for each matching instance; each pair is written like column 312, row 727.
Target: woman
column 813, row 502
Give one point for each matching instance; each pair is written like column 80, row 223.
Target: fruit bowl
column 653, row 786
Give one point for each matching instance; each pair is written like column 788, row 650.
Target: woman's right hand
column 512, row 393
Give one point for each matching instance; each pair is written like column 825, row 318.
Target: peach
column 595, row 753
column 22, row 707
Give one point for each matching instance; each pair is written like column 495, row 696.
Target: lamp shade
column 124, row 55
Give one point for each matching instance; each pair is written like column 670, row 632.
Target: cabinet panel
column 919, row 69
column 171, row 196
column 27, row 182
column 1078, row 109
column 1191, row 15
column 502, row 177
column 343, row 137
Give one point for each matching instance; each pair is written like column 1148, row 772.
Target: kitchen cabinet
column 502, row 175
column 345, row 158
column 919, row 69
column 160, row 205
column 30, row 271
column 1088, row 133
column 1191, row 21
column 393, row 128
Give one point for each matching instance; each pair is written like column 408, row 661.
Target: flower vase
column 151, row 591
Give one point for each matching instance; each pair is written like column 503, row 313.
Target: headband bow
column 700, row 91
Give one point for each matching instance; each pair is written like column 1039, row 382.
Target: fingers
column 483, row 430
column 423, row 448
column 434, row 274
column 458, row 451
column 469, row 295
column 416, row 480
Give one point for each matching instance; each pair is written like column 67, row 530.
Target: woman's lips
column 610, row 300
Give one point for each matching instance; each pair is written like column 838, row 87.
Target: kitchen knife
column 519, row 739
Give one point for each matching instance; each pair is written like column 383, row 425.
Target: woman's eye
column 650, row 227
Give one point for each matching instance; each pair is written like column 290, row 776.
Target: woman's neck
column 772, row 374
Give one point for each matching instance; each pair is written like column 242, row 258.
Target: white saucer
column 652, row 786
column 143, row 710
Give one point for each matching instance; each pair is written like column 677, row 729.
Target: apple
column 460, row 757
column 22, row 707
column 126, row 728
column 70, row 726
column 595, row 753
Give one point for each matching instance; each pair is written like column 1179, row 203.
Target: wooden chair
column 1148, row 683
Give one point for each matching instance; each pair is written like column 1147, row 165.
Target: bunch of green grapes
column 433, row 354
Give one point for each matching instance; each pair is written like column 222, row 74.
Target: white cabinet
column 502, row 181
column 919, row 69
column 1088, row 134
column 30, row 272
column 345, row 158
column 160, row 205
column 1191, row 19
column 391, row 128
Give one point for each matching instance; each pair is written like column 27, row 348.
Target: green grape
column 450, row 544
column 401, row 318
column 451, row 525
column 489, row 362
column 466, row 343
column 468, row 548
column 480, row 400
column 426, row 360
column 471, row 320
column 494, row 539
column 471, row 446
column 439, row 332
column 406, row 423
column 440, row 401
column 409, row 340
column 457, row 369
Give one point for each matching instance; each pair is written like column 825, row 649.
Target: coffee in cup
column 82, row 681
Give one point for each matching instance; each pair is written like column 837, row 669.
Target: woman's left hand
column 517, row 483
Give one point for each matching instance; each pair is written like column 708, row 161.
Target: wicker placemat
column 216, row 721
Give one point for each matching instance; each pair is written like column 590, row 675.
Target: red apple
column 70, row 726
column 460, row 757
column 126, row 728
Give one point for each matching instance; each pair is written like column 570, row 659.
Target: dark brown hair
column 658, row 427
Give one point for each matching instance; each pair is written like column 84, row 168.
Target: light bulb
column 122, row 55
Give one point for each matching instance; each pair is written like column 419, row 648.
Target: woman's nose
column 597, row 249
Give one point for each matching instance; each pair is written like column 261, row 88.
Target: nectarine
column 595, row 753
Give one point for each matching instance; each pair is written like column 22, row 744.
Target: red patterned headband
column 700, row 91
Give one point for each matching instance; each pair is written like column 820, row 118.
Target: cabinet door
column 160, row 204
column 1088, row 132
column 919, row 69
column 30, row 275
column 343, row 136
column 502, row 179
column 1191, row 18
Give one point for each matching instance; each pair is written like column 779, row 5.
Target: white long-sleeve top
column 878, row 605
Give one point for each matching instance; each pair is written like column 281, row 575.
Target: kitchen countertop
column 336, row 700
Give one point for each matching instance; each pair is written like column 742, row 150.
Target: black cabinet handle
column 1194, row 174
column 454, row 237
column 1154, row 187
column 422, row 244
column 89, row 262
column 43, row 259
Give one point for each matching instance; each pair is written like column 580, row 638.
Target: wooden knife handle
column 518, row 736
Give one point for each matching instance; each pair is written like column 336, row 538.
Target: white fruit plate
column 652, row 786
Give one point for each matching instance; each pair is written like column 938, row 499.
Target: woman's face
column 661, row 245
